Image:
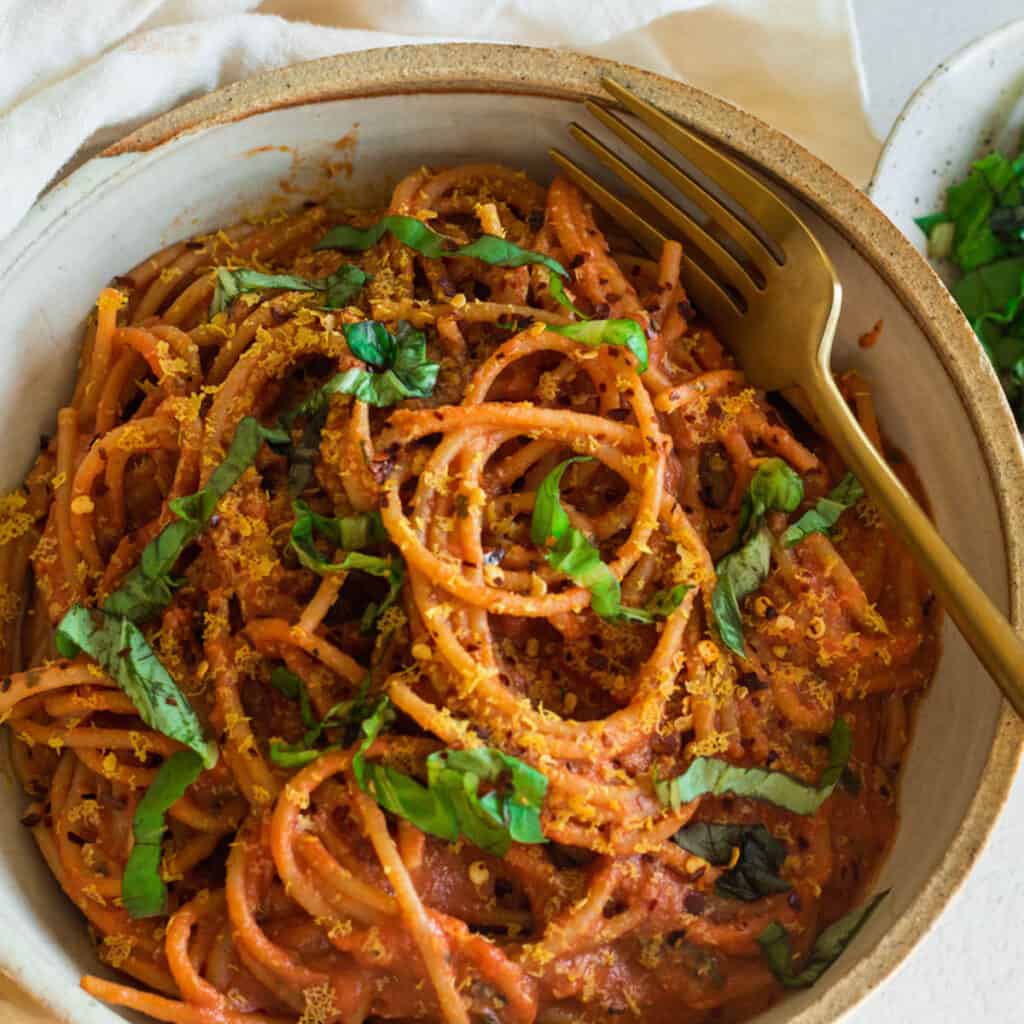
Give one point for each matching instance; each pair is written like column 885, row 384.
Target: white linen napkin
column 75, row 76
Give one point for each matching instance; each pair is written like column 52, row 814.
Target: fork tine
column 717, row 303
column 754, row 248
column 769, row 212
column 728, row 266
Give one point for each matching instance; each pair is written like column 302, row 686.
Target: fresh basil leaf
column 840, row 747
column 347, row 713
column 568, row 551
column 850, row 781
column 371, row 341
column 196, row 509
column 773, row 487
column 711, row 776
column 339, row 288
column 499, row 818
column 558, row 293
column 1002, row 177
column 286, row 755
column 287, row 683
column 992, row 298
column 301, row 456
column 627, row 334
column 756, row 871
column 549, row 520
column 351, row 533
column 739, row 574
column 826, row 511
column 665, row 602
column 450, row 805
column 147, row 589
column 416, row 235
column 969, row 205
column 143, row 891
column 406, row 372
column 295, row 755
column 292, row 686
column 382, row 715
column 981, row 208
column 992, row 291
column 828, row 947
column 403, row 796
column 119, row 647
column 375, row 565
column 374, row 610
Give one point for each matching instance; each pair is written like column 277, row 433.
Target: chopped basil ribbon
column 143, row 891
column 349, row 533
column 627, row 334
column 774, row 487
column 739, row 574
column 709, row 776
column 402, row 369
column 828, row 947
column 302, row 454
column 288, row 683
column 558, row 293
column 339, row 288
column 755, row 873
column 148, row 588
column 295, row 755
column 826, row 511
column 349, row 713
column 111, row 636
column 396, row 578
column 414, row 233
column 119, row 647
column 450, row 805
column 665, row 602
column 568, row 551
column 497, row 252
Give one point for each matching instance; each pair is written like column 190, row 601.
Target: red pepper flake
column 870, row 338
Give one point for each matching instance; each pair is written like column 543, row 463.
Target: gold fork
column 777, row 311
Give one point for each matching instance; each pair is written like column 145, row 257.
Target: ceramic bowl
column 208, row 162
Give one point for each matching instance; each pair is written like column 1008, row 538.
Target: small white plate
column 972, row 103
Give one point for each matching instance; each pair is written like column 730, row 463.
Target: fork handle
column 980, row 622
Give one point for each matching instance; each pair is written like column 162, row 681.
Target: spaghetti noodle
column 446, row 632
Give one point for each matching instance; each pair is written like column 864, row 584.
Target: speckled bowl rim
column 471, row 67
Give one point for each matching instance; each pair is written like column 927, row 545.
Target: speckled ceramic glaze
column 203, row 164
column 971, row 103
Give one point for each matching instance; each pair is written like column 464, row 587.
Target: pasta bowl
column 356, row 124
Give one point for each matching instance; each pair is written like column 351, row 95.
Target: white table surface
column 970, row 968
